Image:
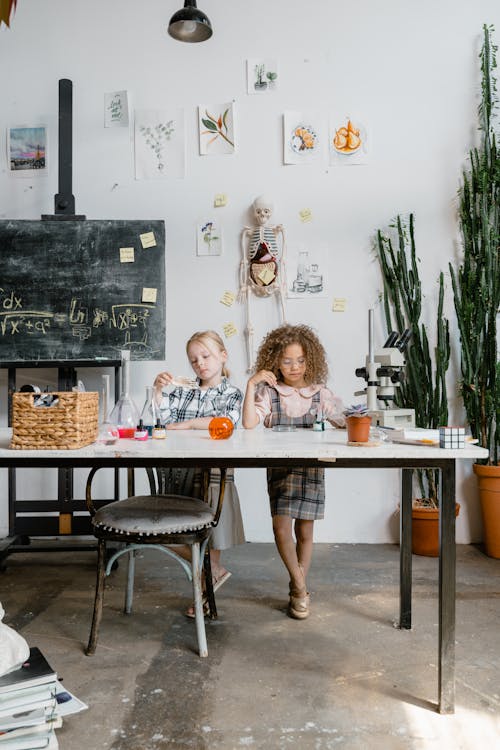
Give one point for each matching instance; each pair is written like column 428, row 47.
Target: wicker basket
column 72, row 423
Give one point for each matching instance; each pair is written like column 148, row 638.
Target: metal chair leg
column 99, row 597
column 129, row 592
column 209, row 585
column 198, row 600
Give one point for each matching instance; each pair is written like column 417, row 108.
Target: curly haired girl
column 290, row 373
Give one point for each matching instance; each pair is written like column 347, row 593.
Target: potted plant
column 424, row 388
column 358, row 422
column 476, row 293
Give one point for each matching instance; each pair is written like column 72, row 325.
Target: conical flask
column 108, row 432
column 149, row 413
column 125, row 414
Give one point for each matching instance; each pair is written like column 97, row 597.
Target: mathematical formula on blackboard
column 66, row 292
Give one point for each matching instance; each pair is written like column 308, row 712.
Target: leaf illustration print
column 216, row 126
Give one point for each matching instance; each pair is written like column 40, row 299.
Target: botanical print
column 306, row 273
column 27, row 151
column 302, row 137
column 347, row 141
column 209, row 238
column 262, row 76
column 159, row 144
column 216, row 126
column 116, row 109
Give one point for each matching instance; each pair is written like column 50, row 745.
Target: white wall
column 410, row 69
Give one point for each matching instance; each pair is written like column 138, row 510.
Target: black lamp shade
column 190, row 24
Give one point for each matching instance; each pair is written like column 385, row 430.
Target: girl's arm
column 332, row 407
column 162, row 379
column 199, row 423
column 250, row 418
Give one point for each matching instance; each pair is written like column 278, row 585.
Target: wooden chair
column 171, row 514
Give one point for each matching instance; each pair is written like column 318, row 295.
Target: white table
column 262, row 448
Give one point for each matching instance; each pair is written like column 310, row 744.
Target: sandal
column 206, row 609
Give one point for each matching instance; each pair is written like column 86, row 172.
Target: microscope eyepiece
column 403, row 340
column 391, row 340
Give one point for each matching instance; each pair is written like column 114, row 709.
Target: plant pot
column 425, row 530
column 358, row 429
column 489, row 496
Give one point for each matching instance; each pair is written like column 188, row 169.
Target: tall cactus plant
column 476, row 282
column 424, row 388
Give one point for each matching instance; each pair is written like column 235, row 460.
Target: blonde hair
column 272, row 347
column 214, row 344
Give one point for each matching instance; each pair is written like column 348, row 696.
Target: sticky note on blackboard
column 230, row 330
column 148, row 239
column 126, row 255
column 148, row 294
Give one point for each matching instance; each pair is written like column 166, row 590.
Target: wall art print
column 116, row 110
column 216, row 128
column 27, row 151
column 262, row 75
column 303, row 137
column 305, row 270
column 209, row 238
column 348, row 142
column 159, row 144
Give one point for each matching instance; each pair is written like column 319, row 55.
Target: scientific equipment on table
column 125, row 414
column 141, row 432
column 221, row 426
column 149, row 411
column 108, row 432
column 384, row 373
column 159, row 431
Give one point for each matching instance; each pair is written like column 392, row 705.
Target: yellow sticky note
column 149, row 294
column 266, row 275
column 148, row 239
column 127, row 255
column 220, row 200
column 305, row 214
column 227, row 299
column 339, row 304
column 229, row 330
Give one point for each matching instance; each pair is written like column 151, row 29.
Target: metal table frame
column 447, row 555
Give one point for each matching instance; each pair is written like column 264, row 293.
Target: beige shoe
column 298, row 606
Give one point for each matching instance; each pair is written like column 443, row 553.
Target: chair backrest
column 174, row 481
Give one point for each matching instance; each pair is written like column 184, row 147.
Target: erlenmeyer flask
column 108, row 432
column 221, row 426
column 125, row 414
column 149, row 413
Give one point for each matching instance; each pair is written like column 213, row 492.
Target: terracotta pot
column 358, row 429
column 425, row 530
column 489, row 496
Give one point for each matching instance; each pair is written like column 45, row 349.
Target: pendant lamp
column 190, row 24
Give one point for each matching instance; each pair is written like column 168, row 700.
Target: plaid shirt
column 188, row 403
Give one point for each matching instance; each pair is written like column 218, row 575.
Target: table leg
column 405, row 550
column 447, row 586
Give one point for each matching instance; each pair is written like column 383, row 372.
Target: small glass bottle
column 159, row 431
column 221, row 426
column 149, row 411
column 140, row 432
column 125, row 414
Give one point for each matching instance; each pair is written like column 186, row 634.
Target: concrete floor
column 344, row 678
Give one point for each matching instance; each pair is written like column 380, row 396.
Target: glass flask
column 125, row 414
column 149, row 413
column 221, row 426
column 108, row 432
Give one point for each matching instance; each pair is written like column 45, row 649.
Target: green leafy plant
column 424, row 387
column 476, row 282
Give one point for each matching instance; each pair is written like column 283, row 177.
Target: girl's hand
column 263, row 376
column 162, row 379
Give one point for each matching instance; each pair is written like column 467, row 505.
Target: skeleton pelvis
column 263, row 274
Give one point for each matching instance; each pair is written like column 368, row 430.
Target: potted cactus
column 476, row 292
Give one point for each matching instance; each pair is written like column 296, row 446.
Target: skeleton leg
column 249, row 333
column 281, row 298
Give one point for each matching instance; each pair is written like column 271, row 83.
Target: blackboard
column 69, row 290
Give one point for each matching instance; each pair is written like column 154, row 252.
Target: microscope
column 384, row 372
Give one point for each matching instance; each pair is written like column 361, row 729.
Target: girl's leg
column 282, row 528
column 304, row 535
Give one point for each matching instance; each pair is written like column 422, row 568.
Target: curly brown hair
column 275, row 342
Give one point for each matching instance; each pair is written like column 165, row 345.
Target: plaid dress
column 295, row 492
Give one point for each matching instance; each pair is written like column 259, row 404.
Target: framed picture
column 27, row 151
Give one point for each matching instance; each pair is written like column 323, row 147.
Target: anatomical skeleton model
column 262, row 267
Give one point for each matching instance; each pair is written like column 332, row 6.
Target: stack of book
column 32, row 703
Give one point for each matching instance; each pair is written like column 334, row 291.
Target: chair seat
column 154, row 514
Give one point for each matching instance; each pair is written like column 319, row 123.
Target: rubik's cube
column 452, row 437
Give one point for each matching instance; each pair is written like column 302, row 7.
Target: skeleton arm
column 244, row 263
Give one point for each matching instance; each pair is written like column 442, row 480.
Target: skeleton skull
column 263, row 208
